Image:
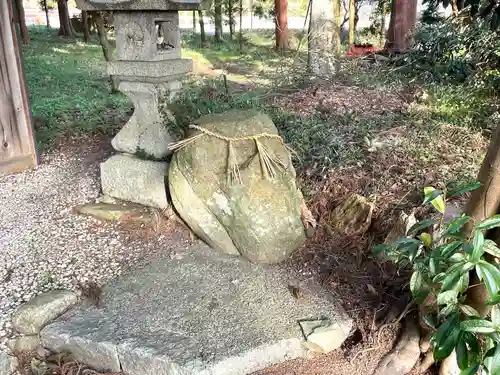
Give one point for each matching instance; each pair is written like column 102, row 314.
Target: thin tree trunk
column 383, row 6
column 337, row 42
column 251, row 14
column 230, row 10
column 281, row 23
column 461, row 5
column 103, row 41
column 65, row 28
column 241, row 25
column 85, row 21
column 352, row 21
column 21, row 18
column 203, row 36
column 218, row 19
column 454, row 8
column 46, row 10
column 194, row 21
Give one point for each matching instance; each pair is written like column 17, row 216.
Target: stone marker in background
column 149, row 68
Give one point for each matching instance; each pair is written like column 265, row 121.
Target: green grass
column 68, row 87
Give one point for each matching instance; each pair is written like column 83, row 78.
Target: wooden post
column 17, row 142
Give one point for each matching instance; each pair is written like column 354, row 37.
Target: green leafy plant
column 441, row 255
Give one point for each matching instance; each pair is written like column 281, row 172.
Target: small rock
column 401, row 359
column 353, row 216
column 8, row 364
column 321, row 335
column 24, row 344
column 116, row 212
column 31, row 317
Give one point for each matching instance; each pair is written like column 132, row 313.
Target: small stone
column 116, row 212
column 8, row 364
column 31, row 317
column 24, row 344
column 353, row 216
column 135, row 180
column 322, row 336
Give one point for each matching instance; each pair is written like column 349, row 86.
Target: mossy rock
column 257, row 218
column 353, row 217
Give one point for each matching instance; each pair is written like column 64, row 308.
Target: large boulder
column 256, row 217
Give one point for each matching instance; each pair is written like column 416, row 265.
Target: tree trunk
column 85, row 21
column 218, row 19
column 21, row 19
column 454, row 7
column 337, row 41
column 352, row 21
column 65, row 28
column 461, row 5
column 320, row 37
column 281, row 23
column 241, row 25
column 194, row 21
column 403, row 19
column 46, row 10
column 251, row 14
column 485, row 201
column 383, row 6
column 203, row 36
column 103, row 41
column 230, row 11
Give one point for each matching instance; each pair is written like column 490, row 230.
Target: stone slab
column 131, row 179
column 196, row 313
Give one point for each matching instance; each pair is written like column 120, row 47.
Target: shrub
column 441, row 262
column 453, row 50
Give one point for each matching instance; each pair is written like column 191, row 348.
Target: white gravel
column 44, row 245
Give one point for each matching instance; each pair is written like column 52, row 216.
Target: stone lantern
column 149, row 68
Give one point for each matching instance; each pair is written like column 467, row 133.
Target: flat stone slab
column 197, row 312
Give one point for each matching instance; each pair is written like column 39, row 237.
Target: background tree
column 203, row 35
column 281, row 23
column 218, row 19
column 383, row 12
column 85, row 22
column 352, row 21
column 46, row 5
column 240, row 11
column 20, row 18
column 229, row 5
column 65, row 27
column 403, row 19
column 98, row 18
column 337, row 16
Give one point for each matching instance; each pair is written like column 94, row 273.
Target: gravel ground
column 44, row 245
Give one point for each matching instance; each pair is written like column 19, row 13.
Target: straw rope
column 269, row 163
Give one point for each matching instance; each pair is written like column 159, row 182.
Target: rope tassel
column 269, row 163
column 233, row 170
